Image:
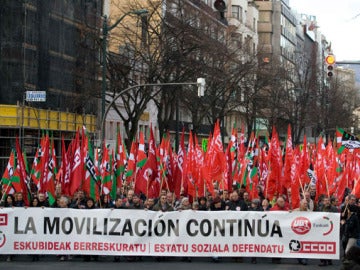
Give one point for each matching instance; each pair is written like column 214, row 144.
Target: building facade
column 47, row 46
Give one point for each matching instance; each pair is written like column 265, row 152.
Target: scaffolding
column 29, row 123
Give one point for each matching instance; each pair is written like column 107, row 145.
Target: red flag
column 148, row 172
column 289, row 159
column 141, row 155
column 356, row 189
column 228, row 168
column 77, row 167
column 242, row 148
column 130, row 172
column 120, row 160
column 91, row 186
column 295, row 179
column 275, row 165
column 51, row 172
column 65, row 169
column 190, row 169
column 37, row 166
column 22, row 173
column 305, row 164
column 105, row 171
column 178, row 175
column 215, row 157
column 8, row 174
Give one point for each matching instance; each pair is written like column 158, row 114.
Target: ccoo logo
column 301, row 225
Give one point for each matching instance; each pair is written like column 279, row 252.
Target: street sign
column 39, row 96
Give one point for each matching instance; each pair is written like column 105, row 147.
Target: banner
column 183, row 233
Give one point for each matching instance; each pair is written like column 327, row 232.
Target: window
column 208, row 2
column 236, row 12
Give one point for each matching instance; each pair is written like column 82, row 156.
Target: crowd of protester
column 237, row 200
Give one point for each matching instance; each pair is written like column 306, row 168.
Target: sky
column 339, row 21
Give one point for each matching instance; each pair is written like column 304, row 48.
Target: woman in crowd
column 203, row 204
column 35, row 203
column 90, row 204
column 19, row 200
column 105, row 201
column 265, row 205
column 9, row 202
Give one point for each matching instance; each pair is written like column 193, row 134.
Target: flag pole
column 3, row 196
column 147, row 185
column 327, row 186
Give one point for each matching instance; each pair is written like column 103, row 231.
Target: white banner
column 185, row 233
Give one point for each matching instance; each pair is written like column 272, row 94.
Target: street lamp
column 105, row 30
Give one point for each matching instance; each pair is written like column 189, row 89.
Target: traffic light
column 330, row 61
column 221, row 7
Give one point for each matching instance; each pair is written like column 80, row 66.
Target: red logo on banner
column 3, row 219
column 2, row 239
column 301, row 225
column 318, row 247
column 315, row 247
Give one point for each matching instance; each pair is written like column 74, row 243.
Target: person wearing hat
column 184, row 204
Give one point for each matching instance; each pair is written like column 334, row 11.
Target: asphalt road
column 151, row 263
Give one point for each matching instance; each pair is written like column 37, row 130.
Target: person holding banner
column 265, row 205
column 136, row 203
column 64, row 203
column 118, row 204
column 79, row 200
column 351, row 229
column 9, row 202
column 105, row 202
column 326, row 206
column 149, row 204
column 162, row 205
column 43, row 202
column 203, row 204
column 237, row 204
column 128, row 201
column 19, row 200
column 348, row 201
column 217, row 205
column 255, row 206
column 280, row 205
column 90, row 204
column 35, row 203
